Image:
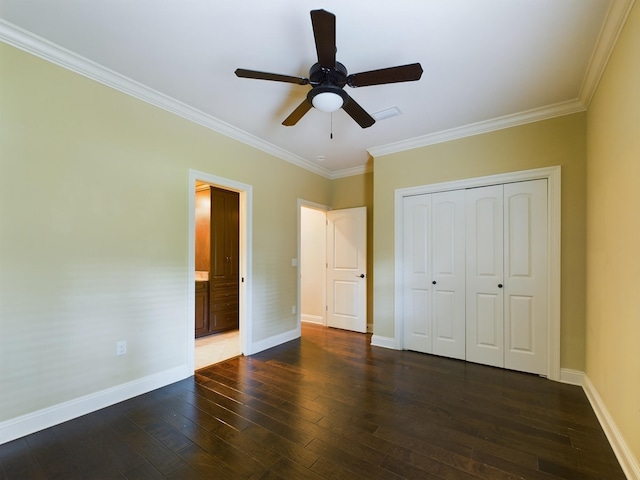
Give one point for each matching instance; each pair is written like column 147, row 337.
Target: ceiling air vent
column 386, row 113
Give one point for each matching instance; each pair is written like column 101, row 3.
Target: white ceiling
column 487, row 63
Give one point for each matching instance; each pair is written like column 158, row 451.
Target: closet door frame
column 553, row 176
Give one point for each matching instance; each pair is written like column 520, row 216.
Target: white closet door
column 484, row 276
column 526, row 274
column 417, row 273
column 448, row 273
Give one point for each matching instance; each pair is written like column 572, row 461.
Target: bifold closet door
column 526, row 276
column 433, row 266
column 507, row 276
column 448, row 273
column 416, row 294
column 484, row 276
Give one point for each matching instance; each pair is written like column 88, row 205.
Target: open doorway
column 219, row 238
column 333, row 267
column 313, row 251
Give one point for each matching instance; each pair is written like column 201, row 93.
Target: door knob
column 434, row 282
column 499, row 285
column 361, row 275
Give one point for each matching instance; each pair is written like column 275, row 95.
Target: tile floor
column 216, row 348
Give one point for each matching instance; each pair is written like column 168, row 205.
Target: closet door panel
column 448, row 273
column 484, row 276
column 487, row 332
column 526, row 274
column 417, row 273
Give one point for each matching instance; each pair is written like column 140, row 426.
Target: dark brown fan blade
column 358, row 113
column 298, row 113
column 243, row 73
column 404, row 73
column 324, row 32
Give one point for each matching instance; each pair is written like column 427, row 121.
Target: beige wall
column 559, row 141
column 613, row 235
column 94, row 196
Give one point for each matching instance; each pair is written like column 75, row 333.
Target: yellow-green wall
column 559, row 141
column 94, row 196
column 613, row 236
column 94, row 228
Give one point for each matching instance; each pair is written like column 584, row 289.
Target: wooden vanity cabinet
column 202, row 309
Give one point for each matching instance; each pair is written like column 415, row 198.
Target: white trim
column 572, row 377
column 246, row 249
column 614, row 22
column 315, row 319
column 500, row 123
column 384, row 342
column 275, row 340
column 62, row 412
column 609, row 33
column 553, row 176
column 349, row 172
column 40, row 47
column 611, row 29
column 623, row 453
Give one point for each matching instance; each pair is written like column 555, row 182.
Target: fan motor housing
column 319, row 75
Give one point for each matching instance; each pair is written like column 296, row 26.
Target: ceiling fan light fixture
column 327, row 98
column 327, row 102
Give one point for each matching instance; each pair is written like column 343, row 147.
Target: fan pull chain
column 331, row 134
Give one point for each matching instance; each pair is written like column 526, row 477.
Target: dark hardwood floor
column 330, row 406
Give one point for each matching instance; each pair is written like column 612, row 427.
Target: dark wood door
column 225, row 265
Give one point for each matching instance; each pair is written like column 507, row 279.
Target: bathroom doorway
column 219, row 231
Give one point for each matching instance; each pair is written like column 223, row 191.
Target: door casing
column 245, row 293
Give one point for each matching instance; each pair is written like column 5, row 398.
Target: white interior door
column 484, row 275
column 448, row 273
column 525, row 276
column 417, row 279
column 347, row 269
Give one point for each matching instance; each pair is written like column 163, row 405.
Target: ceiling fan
column 328, row 77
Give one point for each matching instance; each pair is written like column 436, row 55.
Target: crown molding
column 611, row 28
column 40, row 47
column 507, row 121
column 609, row 33
column 349, row 172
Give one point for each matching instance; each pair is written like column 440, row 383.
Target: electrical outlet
column 293, row 309
column 121, row 347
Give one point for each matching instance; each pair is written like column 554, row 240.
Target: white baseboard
column 62, row 412
column 385, row 342
column 274, row 341
column 315, row 319
column 572, row 377
column 628, row 462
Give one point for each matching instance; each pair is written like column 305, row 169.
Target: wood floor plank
column 19, row 461
column 330, row 406
column 162, row 459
